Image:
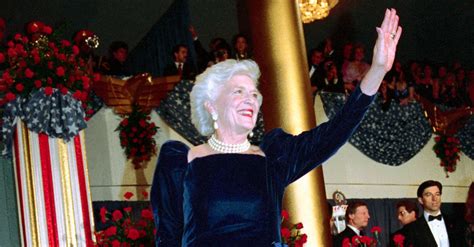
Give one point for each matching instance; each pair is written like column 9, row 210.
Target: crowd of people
column 426, row 227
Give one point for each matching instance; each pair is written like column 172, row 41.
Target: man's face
column 317, row 57
column 360, row 218
column 431, row 199
column 181, row 55
column 404, row 216
column 121, row 54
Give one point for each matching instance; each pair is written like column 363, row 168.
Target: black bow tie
column 431, row 217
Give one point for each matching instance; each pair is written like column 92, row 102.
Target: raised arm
column 385, row 48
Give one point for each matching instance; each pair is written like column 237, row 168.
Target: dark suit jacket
column 418, row 233
column 347, row 233
column 188, row 71
column 317, row 78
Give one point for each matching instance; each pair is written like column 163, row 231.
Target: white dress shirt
column 438, row 229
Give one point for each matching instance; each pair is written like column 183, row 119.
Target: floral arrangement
column 292, row 236
column 46, row 83
column 447, row 150
column 124, row 230
column 398, row 239
column 363, row 241
column 137, row 136
column 40, row 60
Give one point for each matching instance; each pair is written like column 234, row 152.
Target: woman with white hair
column 227, row 192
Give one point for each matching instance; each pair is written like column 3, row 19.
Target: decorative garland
column 137, row 136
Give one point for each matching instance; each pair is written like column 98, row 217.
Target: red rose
column 346, row 242
column 127, row 209
column 116, row 243
column 37, row 83
column 36, row 59
column 356, row 240
column 376, row 229
column 64, row 90
column 22, row 64
column 111, row 231
column 75, row 50
column 65, row 43
column 145, row 194
column 285, row 215
column 142, row 123
column 299, row 225
column 128, row 195
column 34, row 26
column 103, row 213
column 124, row 122
column 366, row 240
column 17, row 37
column 24, row 39
column 96, row 77
column 11, row 52
column 2, row 57
column 133, row 234
column 48, row 91
column 285, row 233
column 47, row 30
column 147, row 214
column 61, row 57
column 304, row 238
column 10, row 96
column 19, row 87
column 19, row 48
column 398, row 239
column 117, row 215
column 50, row 65
column 60, row 71
column 77, row 95
column 29, row 73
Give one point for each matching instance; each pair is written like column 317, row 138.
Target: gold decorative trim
column 67, row 193
column 30, row 185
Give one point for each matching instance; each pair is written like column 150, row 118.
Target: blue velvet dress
column 235, row 199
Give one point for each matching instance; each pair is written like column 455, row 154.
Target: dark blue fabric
column 235, row 199
column 389, row 137
column 154, row 51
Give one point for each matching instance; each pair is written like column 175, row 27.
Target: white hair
column 208, row 87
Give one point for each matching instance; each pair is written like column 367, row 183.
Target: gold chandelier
column 315, row 9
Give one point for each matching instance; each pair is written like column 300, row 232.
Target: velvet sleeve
column 167, row 193
column 295, row 156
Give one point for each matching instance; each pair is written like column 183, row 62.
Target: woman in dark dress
column 227, row 192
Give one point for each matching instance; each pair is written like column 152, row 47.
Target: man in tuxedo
column 432, row 228
column 407, row 212
column 357, row 218
column 180, row 65
column 316, row 70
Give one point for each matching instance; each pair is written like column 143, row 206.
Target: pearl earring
column 214, row 118
column 251, row 134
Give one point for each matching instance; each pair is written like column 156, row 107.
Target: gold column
column 279, row 48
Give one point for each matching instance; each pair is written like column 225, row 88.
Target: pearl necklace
column 223, row 147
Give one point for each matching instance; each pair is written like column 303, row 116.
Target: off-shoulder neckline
column 223, row 154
